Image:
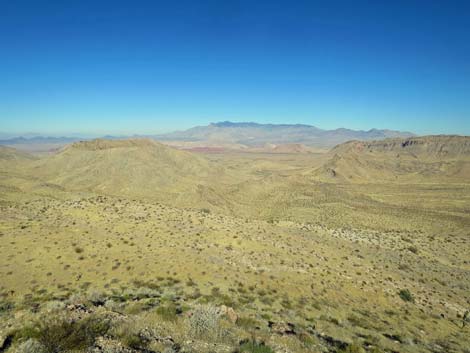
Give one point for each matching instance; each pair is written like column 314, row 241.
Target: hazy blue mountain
column 226, row 132
column 254, row 134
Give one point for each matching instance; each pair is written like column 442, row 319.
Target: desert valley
column 242, row 176
column 236, row 238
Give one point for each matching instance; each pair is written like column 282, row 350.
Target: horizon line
column 98, row 133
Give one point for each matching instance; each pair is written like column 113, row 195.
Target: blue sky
column 153, row 66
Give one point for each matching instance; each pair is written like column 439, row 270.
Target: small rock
column 105, row 345
column 282, row 328
column 229, row 313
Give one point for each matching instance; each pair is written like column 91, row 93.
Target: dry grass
column 330, row 258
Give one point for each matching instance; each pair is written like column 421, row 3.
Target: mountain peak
column 250, row 124
column 234, row 124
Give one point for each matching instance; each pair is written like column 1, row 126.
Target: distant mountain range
column 242, row 134
column 254, row 134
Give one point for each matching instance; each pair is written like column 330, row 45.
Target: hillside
column 11, row 155
column 12, row 159
column 438, row 146
column 442, row 157
column 134, row 243
column 253, row 134
column 138, row 168
column 143, row 270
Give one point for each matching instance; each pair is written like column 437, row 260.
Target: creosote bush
column 406, row 295
column 61, row 334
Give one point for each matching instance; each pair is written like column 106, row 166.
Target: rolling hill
column 11, row 154
column 93, row 230
column 138, row 168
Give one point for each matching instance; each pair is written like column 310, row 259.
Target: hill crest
column 137, row 168
column 432, row 145
column 415, row 159
column 104, row 144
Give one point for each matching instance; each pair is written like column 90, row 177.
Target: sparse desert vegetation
column 270, row 261
column 209, row 176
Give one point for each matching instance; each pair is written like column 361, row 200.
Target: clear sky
column 91, row 66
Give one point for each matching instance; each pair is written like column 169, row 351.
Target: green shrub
column 247, row 323
column 253, row 346
column 374, row 350
column 6, row 306
column 60, row 334
column 358, row 321
column 132, row 340
column 167, row 312
column 406, row 295
column 354, row 348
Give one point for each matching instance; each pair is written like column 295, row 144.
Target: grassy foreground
column 113, row 270
column 106, row 248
